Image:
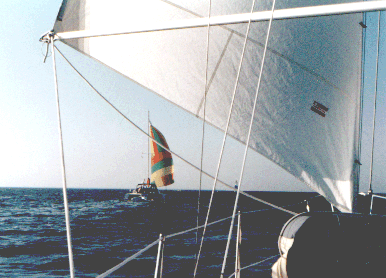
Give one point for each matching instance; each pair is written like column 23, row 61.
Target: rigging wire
column 204, row 117
column 223, row 144
column 118, row 266
column 250, row 128
column 357, row 161
column 362, row 92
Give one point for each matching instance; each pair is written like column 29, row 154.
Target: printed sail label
column 319, row 109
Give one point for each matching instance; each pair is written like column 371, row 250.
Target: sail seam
column 215, row 71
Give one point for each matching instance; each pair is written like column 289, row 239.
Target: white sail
column 308, row 109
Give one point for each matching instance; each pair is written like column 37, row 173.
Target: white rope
column 65, row 199
column 47, row 50
column 195, row 228
column 204, row 117
column 375, row 105
column 247, row 143
column 175, row 154
column 379, row 196
column 264, row 202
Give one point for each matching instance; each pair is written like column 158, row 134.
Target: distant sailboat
column 162, row 169
column 145, row 191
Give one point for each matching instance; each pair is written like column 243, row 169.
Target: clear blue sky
column 101, row 148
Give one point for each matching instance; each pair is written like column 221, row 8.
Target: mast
column 370, row 191
column 64, row 180
column 148, row 145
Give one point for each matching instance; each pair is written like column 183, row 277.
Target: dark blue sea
column 106, row 230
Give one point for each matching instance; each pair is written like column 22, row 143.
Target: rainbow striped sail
column 161, row 160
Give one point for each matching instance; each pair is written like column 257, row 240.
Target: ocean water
column 106, row 230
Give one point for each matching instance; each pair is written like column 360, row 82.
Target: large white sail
column 308, row 109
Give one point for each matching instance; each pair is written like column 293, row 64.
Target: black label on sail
column 319, row 109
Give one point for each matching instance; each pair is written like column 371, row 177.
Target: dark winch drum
column 327, row 244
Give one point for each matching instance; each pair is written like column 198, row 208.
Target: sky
column 103, row 150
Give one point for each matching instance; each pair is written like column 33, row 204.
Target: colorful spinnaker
column 161, row 160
